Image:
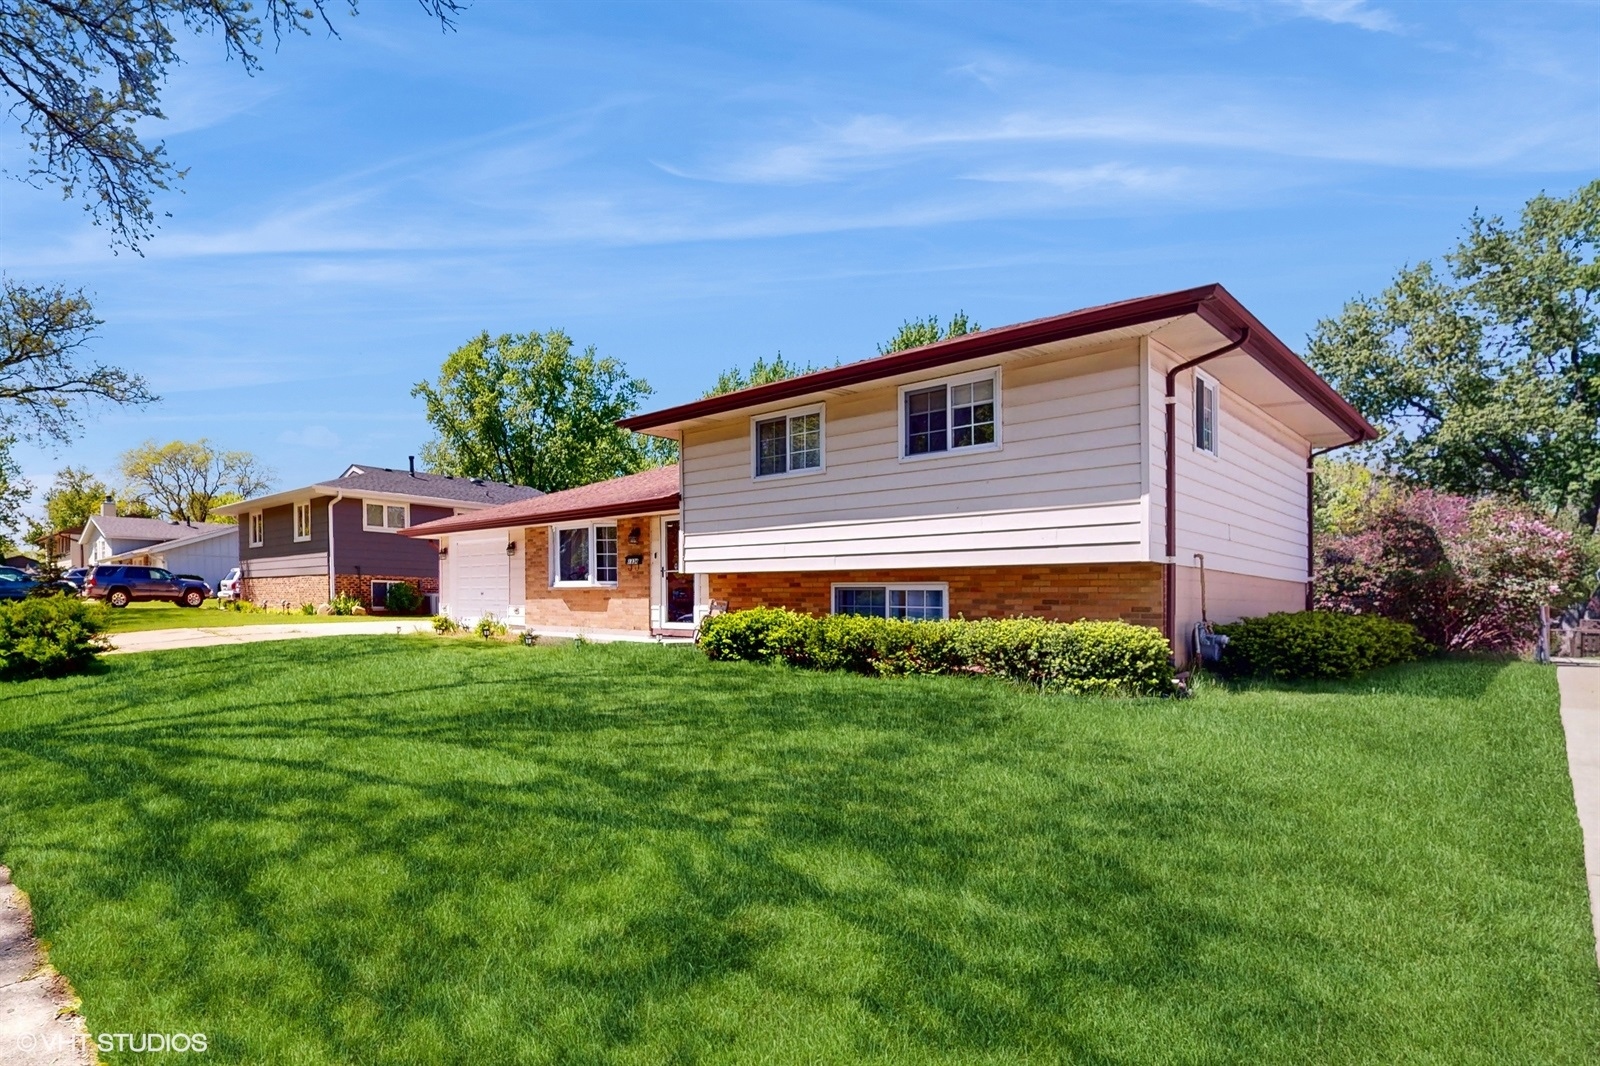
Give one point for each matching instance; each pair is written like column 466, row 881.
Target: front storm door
column 678, row 588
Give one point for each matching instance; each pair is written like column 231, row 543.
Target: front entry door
column 677, row 588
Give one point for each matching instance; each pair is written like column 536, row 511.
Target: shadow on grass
column 446, row 848
column 1442, row 677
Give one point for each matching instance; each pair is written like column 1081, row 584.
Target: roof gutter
column 1170, row 590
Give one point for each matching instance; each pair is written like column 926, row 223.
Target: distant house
column 65, row 547
column 206, row 550
column 340, row 536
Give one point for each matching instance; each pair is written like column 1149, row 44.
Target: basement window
column 912, row 603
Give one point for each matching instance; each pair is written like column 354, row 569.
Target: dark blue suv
column 122, row 585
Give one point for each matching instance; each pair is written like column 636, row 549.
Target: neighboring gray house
column 340, row 536
column 207, row 550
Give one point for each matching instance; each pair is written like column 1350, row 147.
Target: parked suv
column 228, row 590
column 122, row 585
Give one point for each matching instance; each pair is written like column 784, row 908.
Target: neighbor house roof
column 642, row 493
column 1212, row 303
column 380, row 480
column 192, row 535
column 152, row 530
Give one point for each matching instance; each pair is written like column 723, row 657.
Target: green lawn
column 138, row 617
column 410, row 850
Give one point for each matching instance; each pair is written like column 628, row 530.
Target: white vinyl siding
column 1244, row 507
column 1067, row 487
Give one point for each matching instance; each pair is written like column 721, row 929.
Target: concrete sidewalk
column 162, row 639
column 39, row 1022
column 1580, row 717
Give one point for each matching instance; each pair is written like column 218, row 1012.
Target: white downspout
column 332, row 570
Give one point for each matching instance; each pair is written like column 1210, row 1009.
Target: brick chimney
column 108, row 508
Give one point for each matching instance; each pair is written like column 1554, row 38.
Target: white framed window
column 787, row 443
column 380, row 592
column 258, row 529
column 302, row 521
column 910, row 602
column 959, row 414
column 377, row 517
column 1205, row 414
column 582, row 556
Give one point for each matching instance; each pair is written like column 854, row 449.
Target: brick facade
column 313, row 588
column 1128, row 591
column 276, row 591
column 625, row 607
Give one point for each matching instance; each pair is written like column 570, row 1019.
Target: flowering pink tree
column 1469, row 574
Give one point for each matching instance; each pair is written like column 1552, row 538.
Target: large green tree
column 915, row 332
column 761, row 372
column 529, row 409
column 72, row 497
column 1484, row 373
column 185, row 480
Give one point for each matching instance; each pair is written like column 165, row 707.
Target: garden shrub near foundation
column 1310, row 645
column 48, row 636
column 1080, row 657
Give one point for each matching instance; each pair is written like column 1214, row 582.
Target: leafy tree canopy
column 184, row 481
column 14, row 492
column 529, row 409
column 72, row 498
column 82, row 75
column 915, row 332
column 1484, row 375
column 761, row 372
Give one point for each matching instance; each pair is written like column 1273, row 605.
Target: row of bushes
column 49, row 636
column 1311, row 645
column 1081, row 657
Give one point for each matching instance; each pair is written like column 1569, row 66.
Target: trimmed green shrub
column 1311, row 645
column 443, row 623
column 49, row 636
column 343, row 604
column 402, row 599
column 1082, row 657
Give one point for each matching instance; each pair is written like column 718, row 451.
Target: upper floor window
column 586, row 555
column 258, row 529
column 952, row 415
column 1205, row 414
column 385, row 517
column 302, row 521
column 788, row 443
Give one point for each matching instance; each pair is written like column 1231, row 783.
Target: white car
column 229, row 588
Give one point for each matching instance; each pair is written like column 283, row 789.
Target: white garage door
column 479, row 577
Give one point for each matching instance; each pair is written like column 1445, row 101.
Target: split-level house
column 1086, row 465
column 341, row 536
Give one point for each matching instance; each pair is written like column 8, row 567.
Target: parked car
column 122, row 585
column 14, row 584
column 197, row 579
column 76, row 576
column 228, row 590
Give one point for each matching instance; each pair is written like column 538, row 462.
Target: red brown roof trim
column 648, row 492
column 1212, row 302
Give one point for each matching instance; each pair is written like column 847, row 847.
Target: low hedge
column 1080, row 657
column 1311, row 645
column 49, row 636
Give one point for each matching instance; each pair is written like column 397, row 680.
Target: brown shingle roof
column 642, row 493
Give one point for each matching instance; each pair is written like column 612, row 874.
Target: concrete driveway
column 162, row 639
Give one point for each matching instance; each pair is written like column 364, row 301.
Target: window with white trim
column 258, row 529
column 584, row 555
column 788, row 443
column 912, row 603
column 1205, row 414
column 957, row 414
column 302, row 521
column 384, row 517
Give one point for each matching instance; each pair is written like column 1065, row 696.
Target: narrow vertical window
column 302, row 521
column 258, row 529
column 1205, row 415
column 605, row 554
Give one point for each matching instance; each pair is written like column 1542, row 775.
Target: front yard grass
column 139, row 617
column 406, row 850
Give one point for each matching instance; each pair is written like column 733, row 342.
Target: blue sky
column 688, row 187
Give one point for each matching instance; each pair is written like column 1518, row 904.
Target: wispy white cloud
column 1358, row 13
